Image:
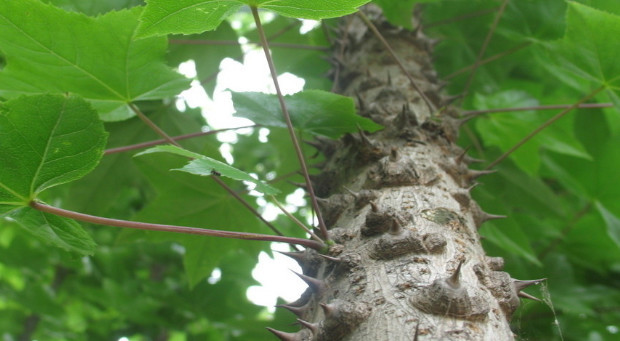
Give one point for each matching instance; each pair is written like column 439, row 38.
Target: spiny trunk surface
column 407, row 263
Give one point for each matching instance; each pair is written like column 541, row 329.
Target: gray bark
column 407, row 263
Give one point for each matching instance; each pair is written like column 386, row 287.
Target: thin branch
column 236, row 43
column 172, row 228
column 543, row 126
column 569, row 227
column 289, row 124
column 176, row 138
column 271, row 37
column 246, row 205
column 488, row 60
column 295, row 220
column 152, row 125
column 461, row 17
column 485, row 44
column 474, row 113
column 387, row 46
column 217, row 180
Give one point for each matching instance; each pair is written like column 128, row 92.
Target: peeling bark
column 407, row 263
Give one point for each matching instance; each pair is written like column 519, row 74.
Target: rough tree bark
column 407, row 263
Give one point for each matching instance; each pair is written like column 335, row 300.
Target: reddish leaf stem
column 172, row 228
column 474, row 113
column 483, row 49
column 289, row 124
column 152, row 125
column 217, row 180
column 488, row 60
column 162, row 141
column 235, row 43
column 543, row 126
column 461, row 17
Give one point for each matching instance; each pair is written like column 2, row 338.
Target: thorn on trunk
column 329, row 258
column 389, row 78
column 299, row 257
column 314, row 327
column 520, row 285
column 284, row 336
column 475, row 174
column 528, row 296
column 317, row 286
column 328, row 309
column 454, row 279
column 298, row 311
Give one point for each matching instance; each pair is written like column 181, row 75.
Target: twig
column 289, row 124
column 387, row 46
column 543, row 126
column 474, row 113
column 172, row 228
column 461, row 17
column 235, row 43
column 217, row 180
column 162, row 141
column 294, row 219
column 565, row 231
column 483, row 49
column 488, row 60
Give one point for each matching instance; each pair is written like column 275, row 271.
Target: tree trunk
column 407, row 263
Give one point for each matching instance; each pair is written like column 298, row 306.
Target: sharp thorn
column 329, row 258
column 389, row 78
column 298, row 311
column 454, row 279
column 299, row 257
column 417, row 331
column 461, row 158
column 528, row 296
column 315, row 285
column 520, row 285
column 314, row 327
column 328, row 309
column 475, row 174
column 283, row 336
column 374, row 206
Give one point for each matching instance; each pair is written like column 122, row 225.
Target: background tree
column 558, row 189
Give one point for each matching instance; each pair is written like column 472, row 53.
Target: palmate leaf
column 587, row 49
column 314, row 111
column 206, row 166
column 187, row 200
column 163, row 17
column 45, row 141
column 50, row 50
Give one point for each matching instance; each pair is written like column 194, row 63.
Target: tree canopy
column 79, row 79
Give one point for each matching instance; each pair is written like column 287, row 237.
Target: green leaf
column 507, row 129
column 51, row 50
column 163, row 17
column 587, row 49
column 611, row 221
column 45, row 140
column 51, row 229
column 317, row 112
column 187, row 200
column 400, row 12
column 513, row 241
column 206, row 166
